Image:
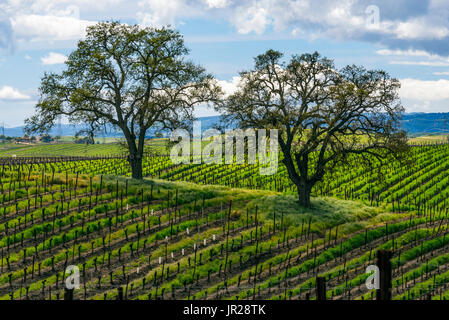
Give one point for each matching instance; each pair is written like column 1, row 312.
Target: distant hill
column 426, row 123
column 70, row 130
column 413, row 123
column 65, row 130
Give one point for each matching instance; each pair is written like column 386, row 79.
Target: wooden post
column 68, row 294
column 384, row 264
column 120, row 293
column 320, row 288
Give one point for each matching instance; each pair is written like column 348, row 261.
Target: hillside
column 176, row 240
column 161, row 239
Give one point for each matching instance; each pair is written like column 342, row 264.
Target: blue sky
column 407, row 38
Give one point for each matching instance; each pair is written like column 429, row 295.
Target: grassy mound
column 324, row 213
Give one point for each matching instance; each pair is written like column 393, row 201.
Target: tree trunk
column 304, row 191
column 135, row 154
column 136, row 166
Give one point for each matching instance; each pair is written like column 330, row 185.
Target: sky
column 407, row 38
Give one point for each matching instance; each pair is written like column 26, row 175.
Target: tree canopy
column 133, row 78
column 323, row 114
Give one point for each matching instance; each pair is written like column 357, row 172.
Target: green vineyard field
column 215, row 231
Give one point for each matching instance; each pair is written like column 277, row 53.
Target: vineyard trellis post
column 68, row 294
column 384, row 264
column 320, row 288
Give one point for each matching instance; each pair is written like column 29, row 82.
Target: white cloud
column 424, row 90
column 422, row 63
column 10, row 93
column 433, row 60
column 229, row 87
column 425, row 95
column 49, row 28
column 160, row 12
column 249, row 19
column 442, row 73
column 217, row 3
column 409, row 53
column 346, row 19
column 419, row 29
column 40, row 23
column 53, row 58
column 65, row 6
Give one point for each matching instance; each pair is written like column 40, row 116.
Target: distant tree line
column 43, row 138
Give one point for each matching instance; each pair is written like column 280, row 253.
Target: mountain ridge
column 413, row 123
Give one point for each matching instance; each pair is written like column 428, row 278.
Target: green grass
column 325, row 212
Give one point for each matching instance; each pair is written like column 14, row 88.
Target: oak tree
column 324, row 115
column 129, row 77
